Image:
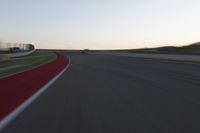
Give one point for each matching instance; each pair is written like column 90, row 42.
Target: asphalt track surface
column 110, row 94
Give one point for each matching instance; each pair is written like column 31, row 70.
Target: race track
column 111, row 94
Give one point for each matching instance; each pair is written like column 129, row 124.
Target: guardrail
column 18, row 54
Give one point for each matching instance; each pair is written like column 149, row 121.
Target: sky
column 100, row 24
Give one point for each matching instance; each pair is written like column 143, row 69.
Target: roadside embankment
column 17, row 65
column 189, row 58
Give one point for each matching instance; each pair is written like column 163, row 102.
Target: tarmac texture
column 113, row 94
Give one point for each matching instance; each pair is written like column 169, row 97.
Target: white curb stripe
column 5, row 121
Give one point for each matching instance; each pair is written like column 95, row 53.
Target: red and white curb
column 5, row 121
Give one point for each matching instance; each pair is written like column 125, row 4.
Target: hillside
column 189, row 49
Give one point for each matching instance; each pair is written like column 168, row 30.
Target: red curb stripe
column 14, row 90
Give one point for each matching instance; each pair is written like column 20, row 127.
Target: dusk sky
column 100, row 24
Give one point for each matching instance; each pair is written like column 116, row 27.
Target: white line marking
column 5, row 121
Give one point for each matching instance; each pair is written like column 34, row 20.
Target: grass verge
column 16, row 65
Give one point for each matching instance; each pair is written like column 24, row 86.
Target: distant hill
column 189, row 49
column 193, row 48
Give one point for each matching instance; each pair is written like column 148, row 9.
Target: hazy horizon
column 100, row 24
